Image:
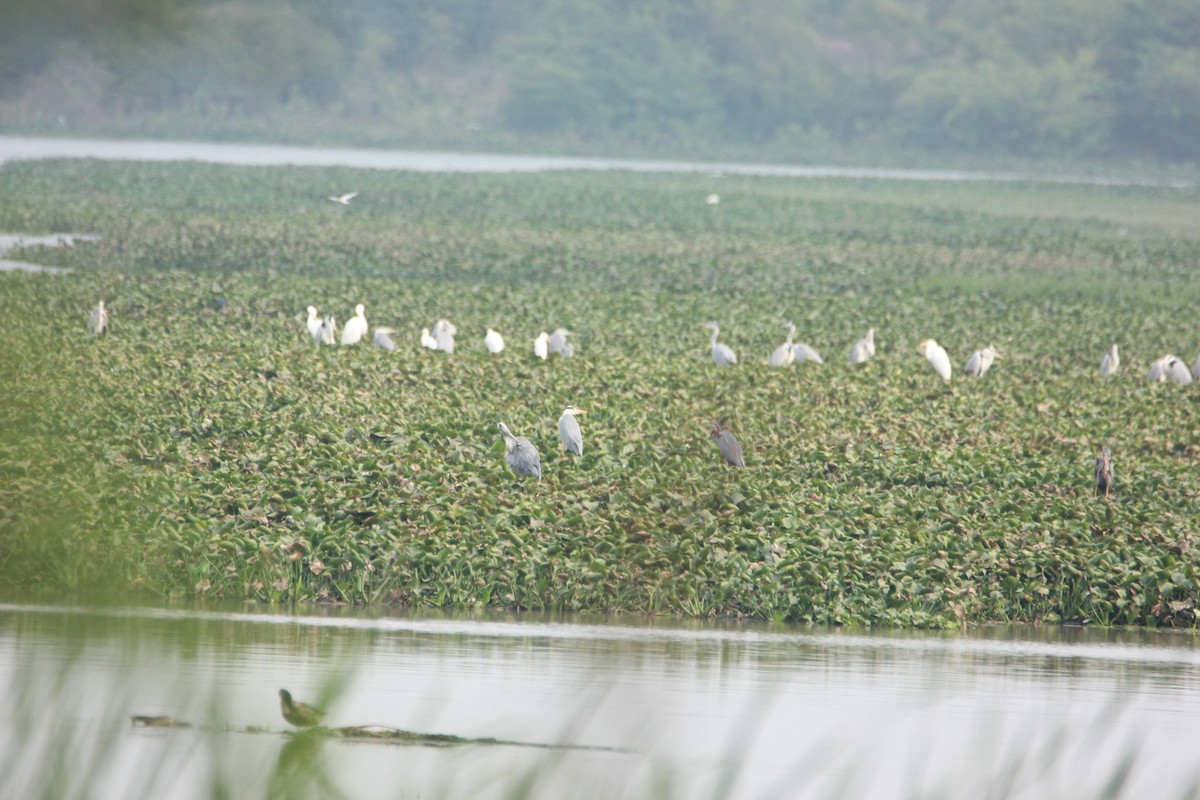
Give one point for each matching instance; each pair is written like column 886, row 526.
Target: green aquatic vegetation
column 207, row 449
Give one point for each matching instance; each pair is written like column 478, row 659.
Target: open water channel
column 635, row 708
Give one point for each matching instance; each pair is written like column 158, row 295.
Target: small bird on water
column 729, row 447
column 301, row 715
column 1104, row 472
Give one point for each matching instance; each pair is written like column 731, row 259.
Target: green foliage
column 1017, row 77
column 206, row 450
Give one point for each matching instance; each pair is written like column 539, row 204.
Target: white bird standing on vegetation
column 784, row 355
column 568, row 430
column 443, row 333
column 494, row 342
column 935, row 354
column 713, row 199
column 1170, row 366
column 383, row 338
column 541, row 345
column 557, row 343
column 98, row 320
column 1110, row 362
column 427, row 340
column 864, row 348
column 314, row 321
column 326, row 332
column 344, row 199
column 981, row 361
column 722, row 354
column 520, row 454
column 356, row 327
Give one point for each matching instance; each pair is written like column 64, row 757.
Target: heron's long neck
column 713, row 341
column 791, row 333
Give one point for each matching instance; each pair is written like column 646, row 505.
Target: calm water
column 692, row 710
column 14, row 148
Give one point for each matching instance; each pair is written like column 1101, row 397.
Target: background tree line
column 1089, row 78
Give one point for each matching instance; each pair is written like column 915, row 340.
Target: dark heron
column 521, row 455
column 1104, row 472
column 298, row 714
column 729, row 447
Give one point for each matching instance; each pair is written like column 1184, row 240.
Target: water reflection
column 706, row 708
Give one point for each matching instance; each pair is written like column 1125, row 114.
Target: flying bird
column 300, row 715
column 443, row 334
column 520, row 454
column 1104, row 472
column 864, row 348
column 803, row 352
column 1171, row 367
column 541, row 345
column 568, row 430
column 494, row 342
column 784, row 355
column 722, row 354
column 383, row 338
column 356, row 327
column 981, row 361
column 427, row 340
column 344, row 199
column 935, row 354
column 729, row 447
column 98, row 320
column 1110, row 362
column 326, row 332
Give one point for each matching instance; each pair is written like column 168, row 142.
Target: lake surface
column 647, row 708
column 16, row 148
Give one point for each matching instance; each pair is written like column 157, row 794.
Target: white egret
column 935, row 354
column 713, row 199
column 344, row 199
column 805, row 353
column 1170, row 366
column 326, row 332
column 722, row 354
column 356, row 327
column 520, row 454
column 541, row 345
column 494, row 342
column 864, row 348
column 784, row 355
column 427, row 340
column 557, row 343
column 383, row 338
column 98, row 320
column 314, row 321
column 443, row 333
column 981, row 361
column 568, row 430
column 729, row 447
column 1110, row 362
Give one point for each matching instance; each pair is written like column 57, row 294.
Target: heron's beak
column 580, row 411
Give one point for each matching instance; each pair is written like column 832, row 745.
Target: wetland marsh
column 205, row 449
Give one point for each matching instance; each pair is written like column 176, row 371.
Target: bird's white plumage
column 803, row 352
column 541, row 345
column 980, row 362
column 98, row 320
column 568, row 430
column 1110, row 362
column 713, row 199
column 344, row 199
column 1169, row 367
column 722, row 354
column 494, row 342
column 935, row 354
column 383, row 338
column 864, row 348
column 356, row 327
column 443, row 334
column 427, row 340
column 314, row 321
column 326, row 332
column 783, row 355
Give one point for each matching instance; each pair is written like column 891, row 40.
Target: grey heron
column 980, row 362
column 383, row 338
column 728, row 445
column 520, row 454
column 568, row 430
